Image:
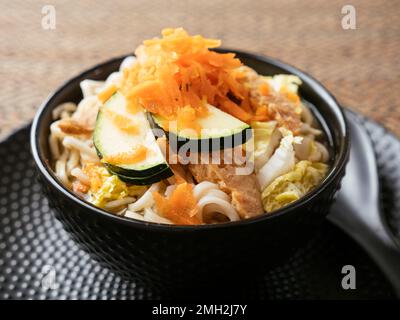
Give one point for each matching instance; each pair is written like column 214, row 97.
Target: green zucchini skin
column 204, row 145
column 138, row 173
column 135, row 173
column 164, row 174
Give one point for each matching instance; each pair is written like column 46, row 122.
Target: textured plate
column 38, row 260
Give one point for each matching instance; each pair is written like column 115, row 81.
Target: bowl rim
column 335, row 170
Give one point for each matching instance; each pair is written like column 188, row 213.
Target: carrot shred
column 178, row 72
column 292, row 97
column 233, row 109
column 138, row 154
column 121, row 122
column 181, row 207
column 96, row 181
column 264, row 89
column 79, row 187
column 106, row 93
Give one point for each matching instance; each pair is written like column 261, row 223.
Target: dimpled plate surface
column 38, row 259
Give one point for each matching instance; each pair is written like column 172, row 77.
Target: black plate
column 38, row 260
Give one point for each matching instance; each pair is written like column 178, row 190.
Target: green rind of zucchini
column 134, row 173
column 164, row 174
column 205, row 144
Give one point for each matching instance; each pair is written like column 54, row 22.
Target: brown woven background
column 361, row 67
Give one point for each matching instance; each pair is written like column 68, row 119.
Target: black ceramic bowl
column 172, row 257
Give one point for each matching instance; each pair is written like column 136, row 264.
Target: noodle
column 134, row 215
column 71, row 142
column 119, row 203
column 61, row 168
column 80, row 175
column 73, row 160
column 63, row 108
column 215, row 204
column 151, row 216
column 146, row 200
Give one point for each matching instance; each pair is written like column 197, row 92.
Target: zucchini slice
column 219, row 130
column 142, row 181
column 118, row 131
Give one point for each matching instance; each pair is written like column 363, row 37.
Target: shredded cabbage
column 284, row 81
column 266, row 139
column 293, row 185
column 282, row 161
column 106, row 187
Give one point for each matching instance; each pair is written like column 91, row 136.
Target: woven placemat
column 361, row 67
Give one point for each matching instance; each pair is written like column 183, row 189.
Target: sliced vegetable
column 219, row 130
column 105, row 187
column 281, row 162
column 143, row 181
column 106, row 93
column 266, row 139
column 293, row 185
column 127, row 145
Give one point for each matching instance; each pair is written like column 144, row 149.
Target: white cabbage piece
column 105, row 187
column 288, row 82
column 281, row 162
column 293, row 185
column 128, row 62
column 311, row 150
column 266, row 137
column 90, row 87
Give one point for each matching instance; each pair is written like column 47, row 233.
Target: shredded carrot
column 91, row 170
column 78, row 186
column 121, row 122
column 181, row 207
column 179, row 70
column 233, row 109
column 264, row 89
column 187, row 119
column 105, row 94
column 262, row 114
column 139, row 153
column 292, row 97
column 70, row 126
column 262, row 111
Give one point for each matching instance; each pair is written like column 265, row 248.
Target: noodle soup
column 185, row 135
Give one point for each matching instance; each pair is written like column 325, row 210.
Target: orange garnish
column 262, row 114
column 292, row 97
column 70, row 126
column 106, row 93
column 233, row 109
column 179, row 70
column 121, row 122
column 79, row 187
column 181, row 207
column 187, row 119
column 138, row 154
column 262, row 111
column 264, row 89
column 91, row 170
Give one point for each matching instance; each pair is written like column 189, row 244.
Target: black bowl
column 178, row 257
